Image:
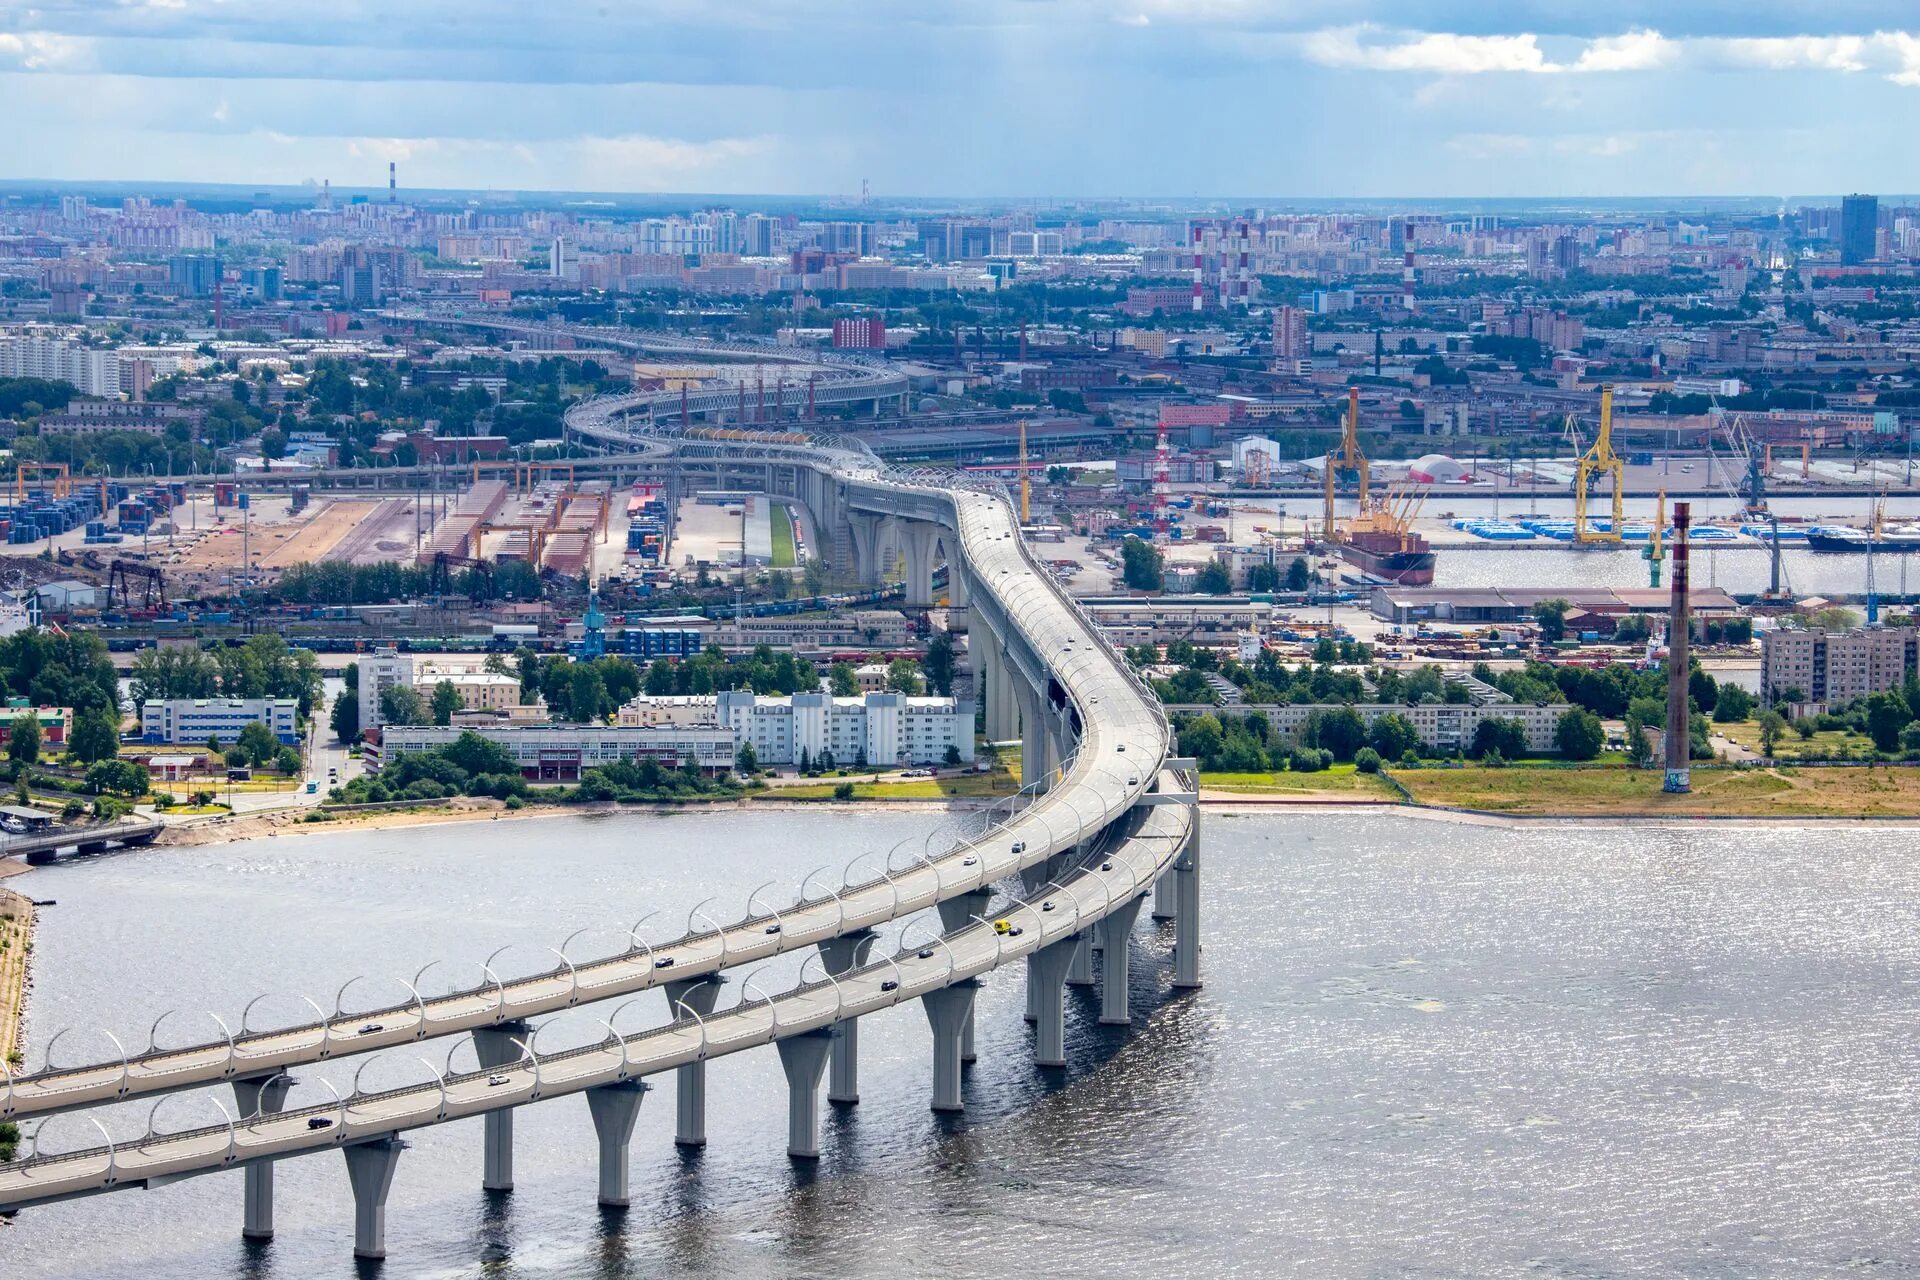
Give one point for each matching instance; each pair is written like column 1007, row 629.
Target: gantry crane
column 1599, row 457
column 1346, row 458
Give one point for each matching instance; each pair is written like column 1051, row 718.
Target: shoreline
column 231, row 830
column 16, row 927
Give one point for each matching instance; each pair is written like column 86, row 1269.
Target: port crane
column 1599, row 457
column 1346, row 458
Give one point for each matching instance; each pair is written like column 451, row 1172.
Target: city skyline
column 1154, row 98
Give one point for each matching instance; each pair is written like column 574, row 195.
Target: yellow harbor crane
column 1346, row 458
column 1599, row 457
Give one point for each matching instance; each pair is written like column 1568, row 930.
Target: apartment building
column 1835, row 666
column 881, row 728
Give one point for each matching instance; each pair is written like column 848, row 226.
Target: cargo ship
column 1899, row 539
column 1398, row 556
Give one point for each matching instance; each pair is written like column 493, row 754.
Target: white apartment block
column 1442, row 726
column 93, row 371
column 191, row 721
column 1836, row 666
column 380, row 671
column 882, row 728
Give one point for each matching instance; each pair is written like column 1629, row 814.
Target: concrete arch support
column 615, row 1108
column 839, row 955
column 1113, row 962
column 499, row 1047
column 370, row 1167
column 260, row 1097
column 1047, row 997
column 690, row 1079
column 804, row 1058
column 950, row 1013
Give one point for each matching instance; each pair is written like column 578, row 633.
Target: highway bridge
column 1106, row 819
column 43, row 846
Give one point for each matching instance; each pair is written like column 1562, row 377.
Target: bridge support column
column 1164, row 906
column 260, row 1096
column 499, row 1047
column 959, row 590
column 919, row 539
column 1033, row 734
column 1186, row 920
column 370, row 1168
column 866, row 548
column 804, row 1058
column 950, row 1013
column 957, row 913
column 1080, row 970
column 839, row 955
column 1006, row 697
column 1047, row 997
column 1113, row 962
column 690, row 1079
column 615, row 1108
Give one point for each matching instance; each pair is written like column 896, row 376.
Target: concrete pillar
column 959, row 590
column 804, row 1058
column 840, row 955
column 957, row 913
column 499, row 1047
column 1033, row 734
column 1186, row 896
column 918, row 538
column 1113, row 962
column 1047, row 997
column 1163, row 896
column 615, row 1108
column 370, row 1168
column 1080, row 969
column 690, row 1079
column 866, row 548
column 950, row 1013
column 264, row 1096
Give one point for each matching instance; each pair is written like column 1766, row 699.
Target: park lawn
column 1822, row 745
column 966, row 786
column 780, row 522
column 1786, row 792
column 1342, row 779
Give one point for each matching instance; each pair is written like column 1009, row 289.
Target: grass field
column 780, row 524
column 967, row 786
column 1343, row 780
column 1822, row 745
column 1786, row 792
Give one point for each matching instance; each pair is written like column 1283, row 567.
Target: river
column 1423, row 1049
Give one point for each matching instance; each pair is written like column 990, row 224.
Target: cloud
column 1793, row 53
column 42, row 51
column 1443, row 53
column 1633, row 51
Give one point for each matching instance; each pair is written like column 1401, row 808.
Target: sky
column 973, row 98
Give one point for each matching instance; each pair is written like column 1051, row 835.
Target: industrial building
column 562, row 752
column 1512, row 604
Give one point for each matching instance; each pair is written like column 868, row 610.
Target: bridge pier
column 1047, row 996
column 370, row 1168
column 839, row 955
column 866, row 548
column 919, row 538
column 950, row 1013
column 1113, row 962
column 1033, row 734
column 499, row 1047
column 615, row 1108
column 956, row 913
column 1164, row 905
column 1080, row 970
column 1186, row 920
column 690, row 1079
column 804, row 1058
column 262, row 1095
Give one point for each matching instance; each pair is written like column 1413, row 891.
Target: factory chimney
column 393, row 182
column 1679, row 627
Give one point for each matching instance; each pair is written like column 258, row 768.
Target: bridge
column 43, row 846
column 1105, row 820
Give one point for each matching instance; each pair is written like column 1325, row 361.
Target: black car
column 319, row 1122
column 664, row 962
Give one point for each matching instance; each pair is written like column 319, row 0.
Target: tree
column 746, row 761
column 273, row 442
column 96, row 736
column 952, row 756
column 446, row 701
column 1772, row 725
column 1341, row 731
column 843, row 679
column 1214, row 579
column 1392, row 736
column 344, row 719
column 119, row 777
column 1552, row 618
column 1639, row 745
column 1579, row 734
column 257, row 743
column 401, row 704
column 1703, row 689
column 1499, row 735
column 1732, row 704
column 1141, row 565
column 1887, row 715
column 903, row 676
column 1299, row 575
column 1366, row 760
column 23, row 742
column 939, row 663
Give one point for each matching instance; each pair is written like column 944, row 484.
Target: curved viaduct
column 1105, row 820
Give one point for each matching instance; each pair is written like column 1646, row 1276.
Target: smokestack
column 1679, row 627
column 393, row 182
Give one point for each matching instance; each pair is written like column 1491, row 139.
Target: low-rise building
column 195, row 720
column 54, row 721
column 675, row 709
column 1442, row 726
